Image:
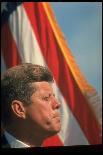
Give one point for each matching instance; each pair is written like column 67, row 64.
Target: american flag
column 30, row 33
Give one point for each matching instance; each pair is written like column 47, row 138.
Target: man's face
column 43, row 112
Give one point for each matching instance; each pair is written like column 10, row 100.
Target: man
column 30, row 111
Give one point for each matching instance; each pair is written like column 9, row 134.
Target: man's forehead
column 43, row 85
column 42, row 88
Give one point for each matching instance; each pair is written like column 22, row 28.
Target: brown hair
column 16, row 84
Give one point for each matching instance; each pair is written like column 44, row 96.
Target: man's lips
column 57, row 117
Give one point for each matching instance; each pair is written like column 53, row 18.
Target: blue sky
column 81, row 24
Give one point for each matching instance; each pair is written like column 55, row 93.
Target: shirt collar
column 13, row 142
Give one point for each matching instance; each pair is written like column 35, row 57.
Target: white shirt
column 13, row 142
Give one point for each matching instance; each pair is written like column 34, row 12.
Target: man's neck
column 26, row 136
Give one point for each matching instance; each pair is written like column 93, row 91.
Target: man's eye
column 46, row 98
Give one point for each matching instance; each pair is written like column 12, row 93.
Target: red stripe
column 9, row 48
column 62, row 74
column 54, row 140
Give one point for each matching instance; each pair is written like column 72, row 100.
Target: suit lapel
column 4, row 142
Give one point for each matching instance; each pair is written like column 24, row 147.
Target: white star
column 4, row 6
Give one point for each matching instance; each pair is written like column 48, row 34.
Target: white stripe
column 71, row 134
column 96, row 104
column 28, row 49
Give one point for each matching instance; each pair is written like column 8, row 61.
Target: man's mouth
column 57, row 117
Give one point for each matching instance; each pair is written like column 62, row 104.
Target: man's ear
column 18, row 109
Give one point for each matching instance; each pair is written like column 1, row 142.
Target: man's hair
column 16, row 84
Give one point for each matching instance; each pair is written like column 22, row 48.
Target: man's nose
column 55, row 103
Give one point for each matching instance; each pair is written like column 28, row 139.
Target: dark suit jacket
column 4, row 142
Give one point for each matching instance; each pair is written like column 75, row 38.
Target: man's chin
column 54, row 130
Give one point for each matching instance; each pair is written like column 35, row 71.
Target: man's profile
column 30, row 111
